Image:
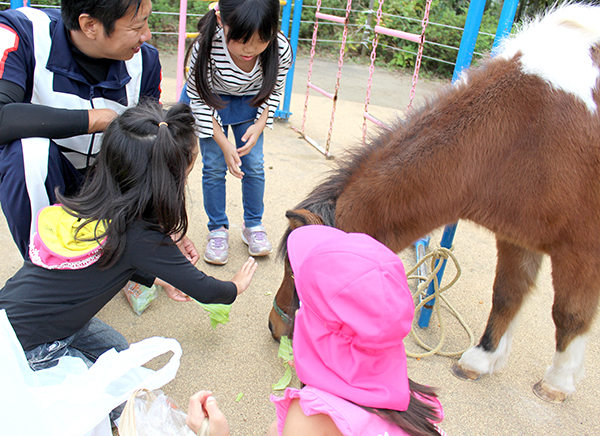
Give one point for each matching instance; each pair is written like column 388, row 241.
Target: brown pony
column 514, row 146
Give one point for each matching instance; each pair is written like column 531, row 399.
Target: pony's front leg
column 575, row 279
column 516, row 273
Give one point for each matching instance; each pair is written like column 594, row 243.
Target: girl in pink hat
column 355, row 310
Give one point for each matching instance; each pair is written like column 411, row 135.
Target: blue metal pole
column 463, row 61
column 421, row 248
column 285, row 18
column 507, row 17
column 469, row 37
column 289, row 81
column 447, row 238
column 14, row 4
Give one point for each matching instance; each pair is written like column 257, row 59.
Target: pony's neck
column 434, row 168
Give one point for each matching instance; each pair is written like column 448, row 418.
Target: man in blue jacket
column 64, row 75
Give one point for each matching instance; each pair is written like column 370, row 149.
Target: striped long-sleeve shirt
column 228, row 79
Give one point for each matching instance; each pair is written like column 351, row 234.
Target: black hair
column 105, row 11
column 244, row 18
column 139, row 175
column 418, row 418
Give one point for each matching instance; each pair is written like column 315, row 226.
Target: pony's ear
column 302, row 217
column 296, row 218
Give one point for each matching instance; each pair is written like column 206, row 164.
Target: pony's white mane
column 556, row 47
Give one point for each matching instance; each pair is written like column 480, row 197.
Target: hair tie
column 163, row 123
column 215, row 6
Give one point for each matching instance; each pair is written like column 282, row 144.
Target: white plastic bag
column 69, row 399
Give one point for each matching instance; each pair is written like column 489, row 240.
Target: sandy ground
column 241, row 357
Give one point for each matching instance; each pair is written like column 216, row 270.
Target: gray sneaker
column 217, row 249
column 257, row 241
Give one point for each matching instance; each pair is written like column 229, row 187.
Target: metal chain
column 424, row 24
column 339, row 73
column 371, row 71
column 310, row 65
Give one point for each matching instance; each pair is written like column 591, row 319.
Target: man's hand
column 172, row 292
column 99, row 119
column 188, row 248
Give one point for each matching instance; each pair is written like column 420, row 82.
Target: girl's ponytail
column 139, row 175
column 201, row 69
column 169, row 162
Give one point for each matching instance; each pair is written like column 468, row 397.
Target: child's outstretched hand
column 243, row 277
column 203, row 405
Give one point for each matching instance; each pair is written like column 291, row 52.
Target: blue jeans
column 95, row 338
column 213, row 179
column 89, row 343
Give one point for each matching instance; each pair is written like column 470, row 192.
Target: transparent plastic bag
column 139, row 296
column 152, row 413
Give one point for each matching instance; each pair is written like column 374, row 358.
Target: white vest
column 44, row 94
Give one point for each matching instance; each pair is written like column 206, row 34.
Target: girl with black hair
column 238, row 65
column 128, row 218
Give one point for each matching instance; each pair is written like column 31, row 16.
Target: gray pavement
column 241, row 358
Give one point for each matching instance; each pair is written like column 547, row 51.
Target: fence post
column 14, row 4
column 181, row 47
column 285, row 113
column 507, row 16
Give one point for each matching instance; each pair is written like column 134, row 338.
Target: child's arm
column 229, row 151
column 253, row 133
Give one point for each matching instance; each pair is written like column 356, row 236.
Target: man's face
column 129, row 33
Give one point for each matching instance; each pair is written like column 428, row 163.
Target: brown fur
column 504, row 151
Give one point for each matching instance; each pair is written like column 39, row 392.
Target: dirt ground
column 240, row 358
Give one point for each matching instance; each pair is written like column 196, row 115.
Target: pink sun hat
column 356, row 308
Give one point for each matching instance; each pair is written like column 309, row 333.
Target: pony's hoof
column 464, row 373
column 546, row 393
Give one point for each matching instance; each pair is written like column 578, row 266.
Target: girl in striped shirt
column 238, row 65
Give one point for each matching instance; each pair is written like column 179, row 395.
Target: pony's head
column 285, row 303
